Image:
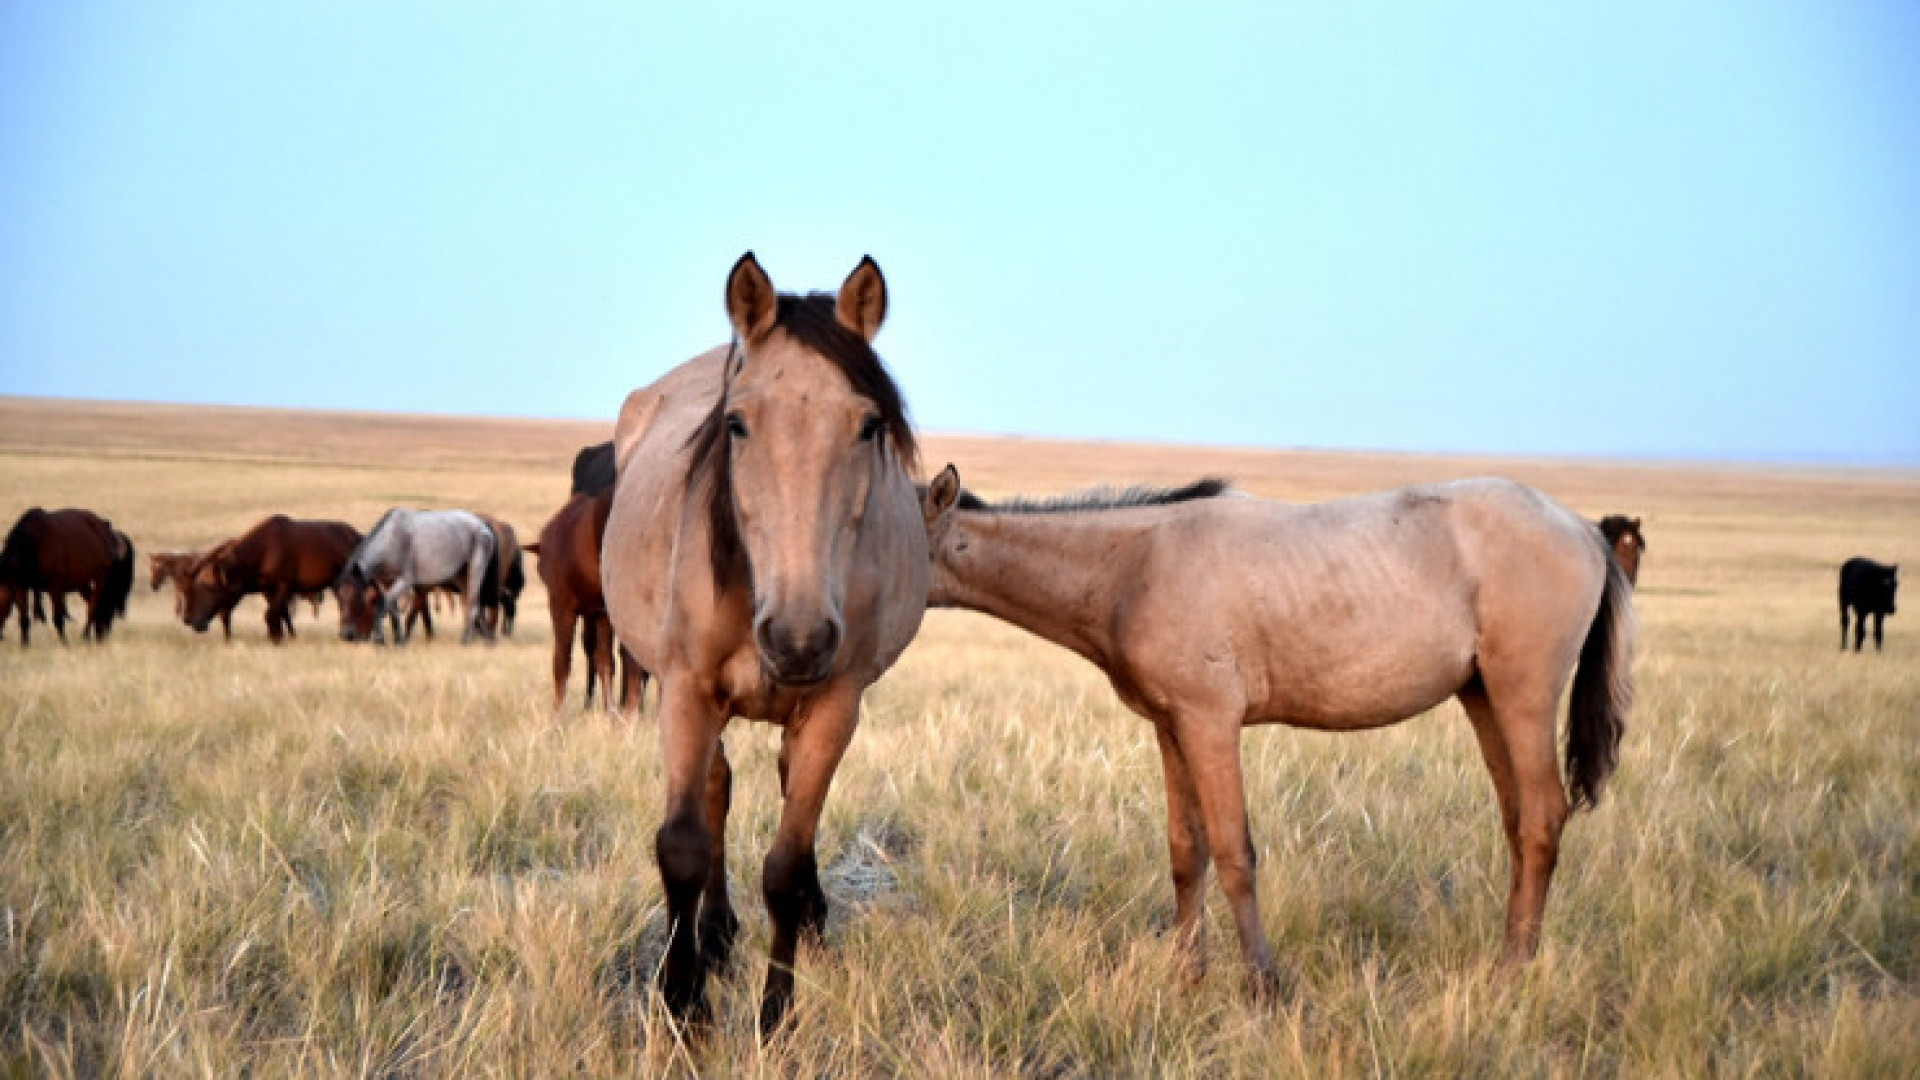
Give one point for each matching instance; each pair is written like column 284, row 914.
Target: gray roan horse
column 764, row 557
column 1209, row 611
column 417, row 548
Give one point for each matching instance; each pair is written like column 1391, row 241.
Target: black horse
column 1867, row 587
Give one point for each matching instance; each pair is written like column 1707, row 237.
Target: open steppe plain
column 328, row 860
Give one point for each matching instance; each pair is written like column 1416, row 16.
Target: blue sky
column 1613, row 229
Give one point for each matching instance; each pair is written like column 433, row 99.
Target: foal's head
column 806, row 426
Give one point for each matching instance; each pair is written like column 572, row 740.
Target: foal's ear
column 751, row 301
column 862, row 304
column 941, row 494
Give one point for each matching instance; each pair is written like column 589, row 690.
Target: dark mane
column 811, row 322
column 1100, row 498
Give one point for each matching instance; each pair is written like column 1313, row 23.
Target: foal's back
column 1357, row 612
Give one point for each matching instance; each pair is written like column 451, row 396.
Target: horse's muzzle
column 797, row 658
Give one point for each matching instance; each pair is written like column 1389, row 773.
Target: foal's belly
column 1359, row 685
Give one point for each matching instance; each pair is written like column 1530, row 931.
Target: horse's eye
column 871, row 429
column 736, row 426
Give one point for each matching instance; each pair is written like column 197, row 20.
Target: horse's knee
column 683, row 850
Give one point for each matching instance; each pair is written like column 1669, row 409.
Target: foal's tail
column 1602, row 690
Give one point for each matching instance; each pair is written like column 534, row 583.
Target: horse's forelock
column 812, row 322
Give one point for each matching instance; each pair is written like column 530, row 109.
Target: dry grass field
column 329, row 860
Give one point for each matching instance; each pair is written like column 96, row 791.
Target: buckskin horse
column 1209, row 611
column 764, row 558
column 61, row 551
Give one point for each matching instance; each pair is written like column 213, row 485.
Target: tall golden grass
column 325, row 860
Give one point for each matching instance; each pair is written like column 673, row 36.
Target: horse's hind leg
column 1211, row 746
column 562, row 614
column 1186, row 853
column 1525, row 722
column 1859, row 630
column 1493, row 751
column 1879, row 618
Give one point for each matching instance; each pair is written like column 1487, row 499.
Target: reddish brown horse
column 280, row 558
column 63, row 551
column 568, row 561
column 1623, row 537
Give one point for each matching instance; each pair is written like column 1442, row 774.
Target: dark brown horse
column 63, row 551
column 1623, row 537
column 568, row 561
column 280, row 558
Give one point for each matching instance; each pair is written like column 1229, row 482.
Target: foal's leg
column 1879, row 617
column 1526, row 724
column 810, row 752
column 1493, row 751
column 1186, row 852
column 690, row 727
column 1859, row 629
column 1843, row 626
column 1211, row 745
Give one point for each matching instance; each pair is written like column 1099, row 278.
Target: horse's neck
column 1052, row 575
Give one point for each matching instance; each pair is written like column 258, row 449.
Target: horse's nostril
column 797, row 656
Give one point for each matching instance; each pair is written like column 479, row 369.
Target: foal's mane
column 811, row 321
column 1100, row 498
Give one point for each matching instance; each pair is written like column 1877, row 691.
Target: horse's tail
column 490, row 581
column 1602, row 690
column 120, row 575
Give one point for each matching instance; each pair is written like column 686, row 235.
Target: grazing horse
column 176, row 567
column 568, row 562
column 1868, row 588
column 764, row 558
column 502, row 607
column 61, row 551
column 281, row 558
column 1626, row 543
column 1210, row 611
column 411, row 549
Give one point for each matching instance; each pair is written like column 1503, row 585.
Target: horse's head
column 359, row 600
column 807, row 424
column 209, row 589
column 1893, row 586
column 1624, row 537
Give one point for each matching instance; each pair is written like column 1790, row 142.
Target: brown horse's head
column 1623, row 536
column 806, row 423
column 359, row 601
column 209, row 589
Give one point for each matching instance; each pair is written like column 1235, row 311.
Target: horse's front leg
column 718, row 924
column 690, row 726
column 1210, row 742
column 1187, row 853
column 389, row 611
column 810, row 752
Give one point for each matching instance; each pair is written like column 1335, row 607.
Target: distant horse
column 176, row 567
column 61, row 551
column 1626, row 543
column 1868, row 588
column 502, row 607
column 1210, row 611
column 281, row 558
column 764, row 558
column 409, row 549
column 568, row 562
column 593, row 471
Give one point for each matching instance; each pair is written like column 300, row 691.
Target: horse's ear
column 751, row 301
column 941, row 494
column 862, row 304
column 1636, row 524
